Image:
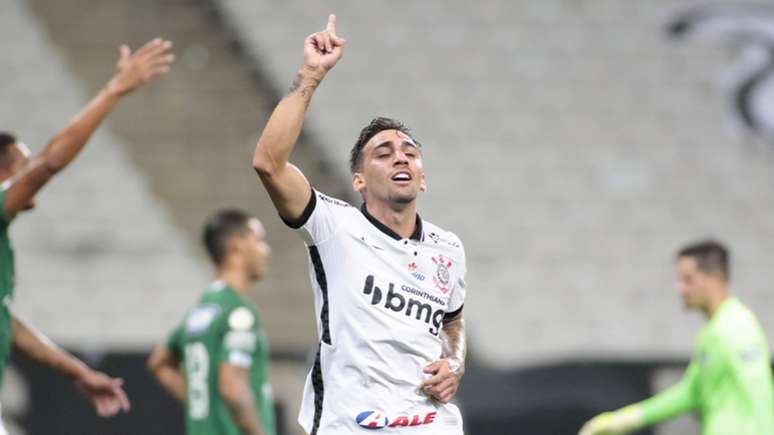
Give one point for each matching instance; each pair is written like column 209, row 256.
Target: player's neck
column 714, row 304
column 235, row 278
column 402, row 220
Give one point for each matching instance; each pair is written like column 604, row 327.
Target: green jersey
column 729, row 379
column 7, row 275
column 222, row 328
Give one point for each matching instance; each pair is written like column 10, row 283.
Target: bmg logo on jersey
column 397, row 302
column 377, row 420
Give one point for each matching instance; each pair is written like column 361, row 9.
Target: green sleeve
column 747, row 365
column 175, row 342
column 239, row 338
column 675, row 400
column 4, row 219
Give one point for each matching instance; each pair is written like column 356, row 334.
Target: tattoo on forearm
column 307, row 91
column 453, row 342
column 306, row 88
column 296, row 83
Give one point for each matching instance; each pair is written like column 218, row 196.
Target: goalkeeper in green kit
column 729, row 379
column 217, row 361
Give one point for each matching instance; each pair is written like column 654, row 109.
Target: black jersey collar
column 416, row 235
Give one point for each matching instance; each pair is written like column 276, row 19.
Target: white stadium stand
column 572, row 145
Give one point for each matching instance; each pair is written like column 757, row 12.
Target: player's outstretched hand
column 443, row 383
column 135, row 69
column 106, row 393
column 620, row 422
column 323, row 49
column 599, row 425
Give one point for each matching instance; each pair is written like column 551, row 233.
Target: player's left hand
column 443, row 383
column 104, row 392
column 599, row 425
column 620, row 422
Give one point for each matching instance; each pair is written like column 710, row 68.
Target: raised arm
column 104, row 392
column 132, row 70
column 448, row 371
column 288, row 188
column 165, row 367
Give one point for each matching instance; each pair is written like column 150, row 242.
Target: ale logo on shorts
column 442, row 276
column 377, row 420
column 371, row 420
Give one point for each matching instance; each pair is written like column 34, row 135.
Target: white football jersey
column 381, row 302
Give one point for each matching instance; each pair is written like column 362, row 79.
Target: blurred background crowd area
column 573, row 145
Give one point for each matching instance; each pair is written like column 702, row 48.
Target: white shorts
column 449, row 422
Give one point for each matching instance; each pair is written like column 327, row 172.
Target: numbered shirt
column 381, row 302
column 222, row 328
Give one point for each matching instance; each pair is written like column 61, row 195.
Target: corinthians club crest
column 749, row 30
column 442, row 277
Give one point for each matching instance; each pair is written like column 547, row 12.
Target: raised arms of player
column 132, row 70
column 234, row 387
column 103, row 391
column 165, row 367
column 448, row 371
column 288, row 188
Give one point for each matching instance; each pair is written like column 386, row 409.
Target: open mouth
column 401, row 176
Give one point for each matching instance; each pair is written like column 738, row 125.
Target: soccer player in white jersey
column 389, row 287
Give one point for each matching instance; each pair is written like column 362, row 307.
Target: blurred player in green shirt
column 217, row 360
column 729, row 380
column 22, row 176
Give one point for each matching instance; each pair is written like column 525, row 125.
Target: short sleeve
column 175, row 342
column 240, row 338
column 457, row 295
column 320, row 219
column 4, row 219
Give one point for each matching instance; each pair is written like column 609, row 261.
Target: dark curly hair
column 369, row 131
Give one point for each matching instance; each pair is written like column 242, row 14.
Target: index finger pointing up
column 331, row 27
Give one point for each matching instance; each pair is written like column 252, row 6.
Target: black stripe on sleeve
column 319, row 391
column 305, row 215
column 322, row 281
column 453, row 314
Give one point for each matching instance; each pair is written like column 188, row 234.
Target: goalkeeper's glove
column 619, row 422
